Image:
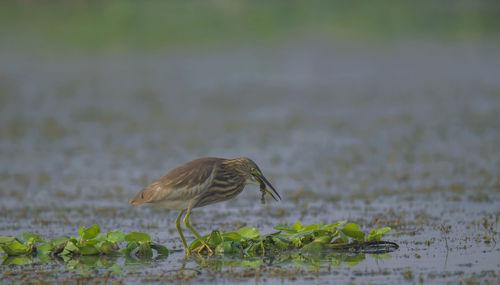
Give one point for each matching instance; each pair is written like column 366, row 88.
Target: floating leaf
column 91, row 232
column 285, row 228
column 297, row 225
column 351, row 227
column 107, row 247
column 352, row 230
column 224, row 247
column 88, row 249
column 309, row 227
column 80, row 230
column 231, row 236
column 71, row 248
column 17, row 248
column 144, row 251
column 314, row 246
column 115, row 236
column 160, row 249
column 130, row 247
column 6, row 239
column 248, row 232
column 333, row 226
column 280, row 242
column 214, row 239
column 323, row 238
column 377, row 233
column 137, row 236
column 43, row 249
column 27, row 236
column 357, row 235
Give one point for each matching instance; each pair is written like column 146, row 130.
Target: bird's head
column 253, row 175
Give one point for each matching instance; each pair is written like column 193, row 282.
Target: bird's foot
column 201, row 247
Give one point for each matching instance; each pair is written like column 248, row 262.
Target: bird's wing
column 181, row 183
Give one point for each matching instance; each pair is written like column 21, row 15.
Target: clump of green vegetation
column 336, row 242
column 338, row 236
column 88, row 243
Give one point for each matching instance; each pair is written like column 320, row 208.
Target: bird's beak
column 266, row 183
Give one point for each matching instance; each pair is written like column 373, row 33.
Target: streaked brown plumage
column 201, row 182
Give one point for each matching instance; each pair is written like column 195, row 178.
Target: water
column 404, row 135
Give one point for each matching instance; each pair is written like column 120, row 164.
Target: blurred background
column 334, row 100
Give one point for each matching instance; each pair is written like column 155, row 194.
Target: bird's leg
column 197, row 235
column 178, row 227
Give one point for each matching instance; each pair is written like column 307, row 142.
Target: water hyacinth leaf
column 160, row 249
column 194, row 244
column 106, row 247
column 214, row 239
column 144, row 251
column 6, row 239
column 99, row 238
column 71, row 248
column 321, row 232
column 91, row 232
column 285, row 228
column 59, row 240
column 357, row 235
column 314, row 246
column 27, row 236
column 224, row 247
column 58, row 244
column 377, row 233
column 335, row 225
column 43, row 249
column 88, row 249
column 80, row 230
column 91, row 242
column 310, row 227
column 115, row 236
column 280, row 242
column 323, row 238
column 351, row 227
column 343, row 237
column 137, row 236
column 255, row 248
column 248, row 232
column 231, row 236
column 129, row 248
column 297, row 225
column 352, row 230
column 16, row 248
column 298, row 237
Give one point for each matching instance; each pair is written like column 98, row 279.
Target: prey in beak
column 263, row 188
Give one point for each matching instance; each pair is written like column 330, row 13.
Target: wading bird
column 201, row 182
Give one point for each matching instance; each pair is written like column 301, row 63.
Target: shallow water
column 405, row 135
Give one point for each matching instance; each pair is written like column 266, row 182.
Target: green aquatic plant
column 88, row 242
column 338, row 236
column 303, row 245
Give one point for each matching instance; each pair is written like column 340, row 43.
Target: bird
column 201, row 182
